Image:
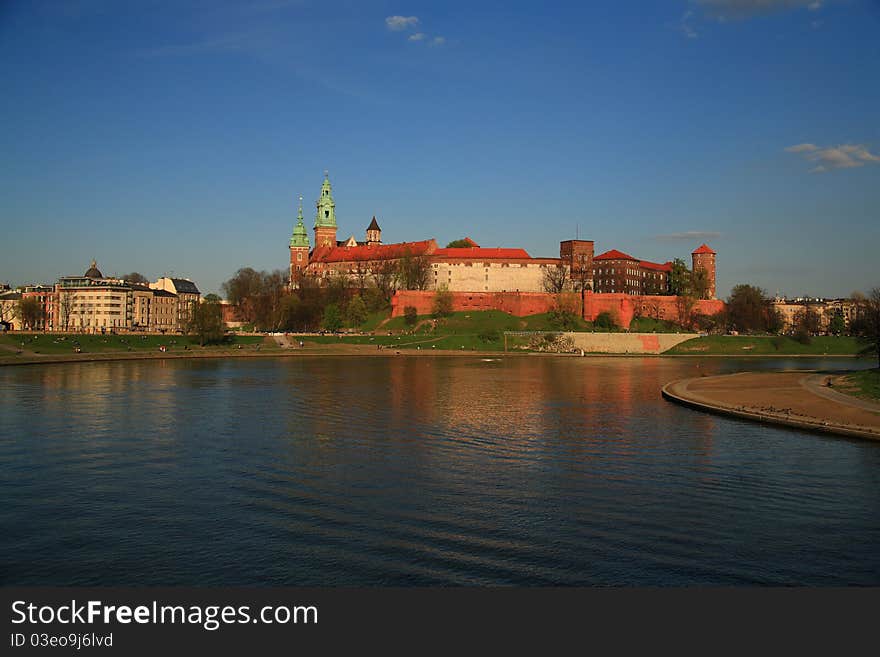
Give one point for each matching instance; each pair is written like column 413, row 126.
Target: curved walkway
column 795, row 399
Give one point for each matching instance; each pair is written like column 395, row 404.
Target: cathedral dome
column 93, row 271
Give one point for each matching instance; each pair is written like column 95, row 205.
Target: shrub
column 410, row 315
column 490, row 335
column 605, row 321
column 442, row 303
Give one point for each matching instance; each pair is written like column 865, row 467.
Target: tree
column 65, row 308
column 31, row 312
column 459, row 244
column 700, row 284
column 582, row 275
column 749, row 309
column 385, row 276
column 332, row 318
column 868, row 324
column 679, row 278
column 685, row 305
column 555, row 278
column 242, row 289
column 356, row 312
column 212, row 298
column 410, row 315
column 442, row 306
column 605, row 320
column 258, row 294
column 415, row 272
column 136, row 278
column 206, row 323
column 837, row 323
column 807, row 321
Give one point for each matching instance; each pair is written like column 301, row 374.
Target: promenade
column 796, row 399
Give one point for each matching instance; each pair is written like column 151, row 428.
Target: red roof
column 372, row 252
column 614, row 254
column 645, row 264
column 704, row 248
column 476, row 252
column 471, row 242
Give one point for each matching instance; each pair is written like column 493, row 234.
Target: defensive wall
column 623, row 307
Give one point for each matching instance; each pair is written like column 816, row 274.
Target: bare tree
column 65, row 308
column 135, row 277
column 360, row 273
column 555, row 278
column 385, row 277
column 415, row 272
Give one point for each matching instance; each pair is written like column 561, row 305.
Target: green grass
column 481, row 330
column 739, row 345
column 650, row 325
column 374, row 319
column 865, row 383
column 53, row 343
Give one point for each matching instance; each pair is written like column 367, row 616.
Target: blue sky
column 175, row 136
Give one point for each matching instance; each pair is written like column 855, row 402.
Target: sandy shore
column 796, row 399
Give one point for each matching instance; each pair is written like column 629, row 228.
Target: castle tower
column 704, row 259
column 374, row 233
column 299, row 246
column 325, row 219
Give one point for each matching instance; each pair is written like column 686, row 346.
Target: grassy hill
column 742, row 345
column 52, row 343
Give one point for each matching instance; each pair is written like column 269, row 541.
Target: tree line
column 264, row 299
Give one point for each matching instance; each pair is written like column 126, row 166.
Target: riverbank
column 803, row 400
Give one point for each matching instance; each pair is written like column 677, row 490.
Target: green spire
column 300, row 237
column 326, row 216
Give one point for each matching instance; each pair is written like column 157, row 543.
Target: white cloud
column 686, row 26
column 845, row 156
column 400, row 23
column 438, row 41
column 418, row 36
column 723, row 9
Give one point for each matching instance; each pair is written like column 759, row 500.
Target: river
column 419, row 471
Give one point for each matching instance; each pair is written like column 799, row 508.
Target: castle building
column 473, row 268
column 616, row 272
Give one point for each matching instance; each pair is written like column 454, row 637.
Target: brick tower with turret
column 325, row 219
column 299, row 247
column 704, row 259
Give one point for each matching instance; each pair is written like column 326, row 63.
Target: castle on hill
column 473, row 268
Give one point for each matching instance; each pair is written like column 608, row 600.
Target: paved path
column 798, row 399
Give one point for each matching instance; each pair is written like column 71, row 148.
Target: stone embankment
column 795, row 399
column 628, row 343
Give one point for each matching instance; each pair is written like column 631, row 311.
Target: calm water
column 418, row 471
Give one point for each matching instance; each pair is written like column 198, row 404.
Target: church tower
column 704, row 258
column 374, row 233
column 325, row 219
column 299, row 246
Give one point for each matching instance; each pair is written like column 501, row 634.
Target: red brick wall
column 515, row 303
column 624, row 307
column 520, row 304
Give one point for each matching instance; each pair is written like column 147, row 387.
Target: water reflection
column 423, row 470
